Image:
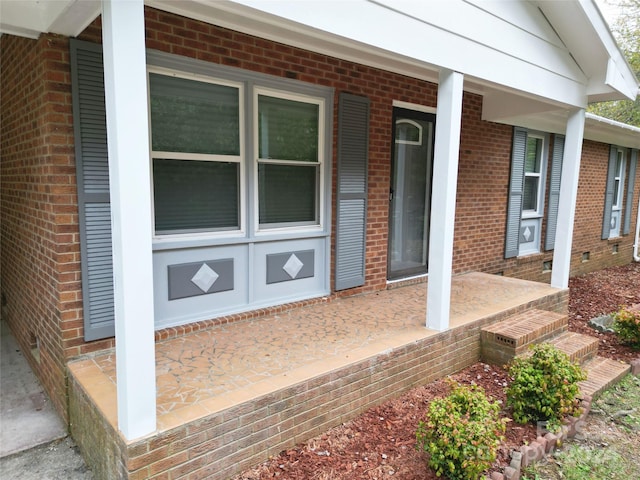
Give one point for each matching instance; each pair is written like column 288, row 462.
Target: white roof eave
column 29, row 18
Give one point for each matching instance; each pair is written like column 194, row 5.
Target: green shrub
column 626, row 324
column 461, row 433
column 544, row 386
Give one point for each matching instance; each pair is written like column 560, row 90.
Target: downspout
column 636, row 244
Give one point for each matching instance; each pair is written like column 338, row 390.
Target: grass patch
column 607, row 447
column 622, row 403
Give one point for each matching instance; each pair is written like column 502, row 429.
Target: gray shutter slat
column 92, row 170
column 631, row 182
column 351, row 218
column 516, row 187
column 554, row 192
column 608, row 196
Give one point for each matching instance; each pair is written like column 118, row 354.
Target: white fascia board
column 587, row 36
column 609, row 131
column 18, row 31
column 598, row 129
column 619, row 75
column 367, row 33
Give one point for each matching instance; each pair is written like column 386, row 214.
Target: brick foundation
column 222, row 444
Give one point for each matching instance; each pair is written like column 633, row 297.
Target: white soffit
column 30, row 18
column 519, row 51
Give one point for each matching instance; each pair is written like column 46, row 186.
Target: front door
column 410, row 195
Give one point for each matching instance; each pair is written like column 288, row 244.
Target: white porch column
column 567, row 202
column 443, row 203
column 129, row 175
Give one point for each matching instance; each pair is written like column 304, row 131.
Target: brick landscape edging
column 543, row 445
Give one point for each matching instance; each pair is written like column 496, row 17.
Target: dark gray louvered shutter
column 516, row 187
column 608, row 196
column 351, row 218
column 92, row 170
column 554, row 191
column 631, row 182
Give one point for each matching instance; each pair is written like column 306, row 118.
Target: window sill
column 199, row 242
column 529, row 258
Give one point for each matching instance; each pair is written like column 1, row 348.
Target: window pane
column 616, row 193
column 530, row 200
column 287, row 193
column 532, row 163
column 287, row 130
column 193, row 117
column 406, row 131
column 194, row 195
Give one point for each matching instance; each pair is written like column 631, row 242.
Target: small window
column 408, row 132
column 618, row 179
column 532, row 175
column 289, row 166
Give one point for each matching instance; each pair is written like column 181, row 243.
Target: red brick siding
column 590, row 210
column 40, row 255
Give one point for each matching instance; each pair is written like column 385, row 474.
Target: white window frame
column 618, row 201
column 533, row 218
column 296, row 227
column 413, row 124
column 540, row 199
column 240, row 159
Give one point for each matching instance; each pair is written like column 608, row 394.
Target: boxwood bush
column 544, row 386
column 461, row 433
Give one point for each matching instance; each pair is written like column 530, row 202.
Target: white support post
column 443, row 203
column 129, row 176
column 568, row 195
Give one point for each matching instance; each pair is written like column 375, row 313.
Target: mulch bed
column 380, row 443
column 600, row 293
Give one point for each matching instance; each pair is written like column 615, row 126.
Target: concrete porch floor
column 211, row 371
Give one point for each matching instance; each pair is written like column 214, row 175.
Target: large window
column 196, row 151
column 202, row 175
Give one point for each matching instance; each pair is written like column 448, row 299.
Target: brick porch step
column 580, row 348
column 602, row 373
column 504, row 340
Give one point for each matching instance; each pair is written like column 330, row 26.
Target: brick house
column 346, row 157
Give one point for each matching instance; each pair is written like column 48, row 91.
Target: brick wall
column 40, row 254
column 589, row 213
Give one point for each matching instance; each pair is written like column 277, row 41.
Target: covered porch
column 233, row 395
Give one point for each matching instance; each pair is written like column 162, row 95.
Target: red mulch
column 380, row 443
column 601, row 293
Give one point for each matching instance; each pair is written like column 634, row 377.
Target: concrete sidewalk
column 27, row 418
column 33, row 440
